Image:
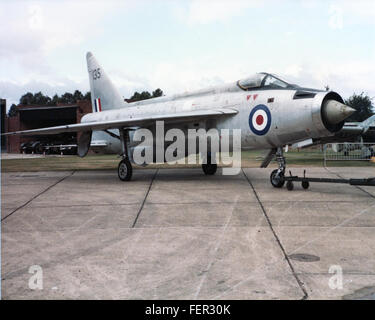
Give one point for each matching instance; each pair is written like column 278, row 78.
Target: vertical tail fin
column 104, row 95
column 367, row 123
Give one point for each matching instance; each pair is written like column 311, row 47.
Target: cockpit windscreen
column 263, row 80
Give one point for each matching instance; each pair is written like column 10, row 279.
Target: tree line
column 43, row 100
column 40, row 99
column 145, row 95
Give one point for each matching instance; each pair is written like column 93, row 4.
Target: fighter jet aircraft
column 354, row 132
column 270, row 112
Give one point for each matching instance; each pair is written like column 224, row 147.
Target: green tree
column 41, row 99
column 12, row 111
column 55, row 100
column 87, row 96
column 157, row 93
column 136, row 96
column 37, row 98
column 77, row 95
column 67, row 97
column 363, row 104
column 145, row 95
column 27, row 98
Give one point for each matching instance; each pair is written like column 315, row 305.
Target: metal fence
column 348, row 151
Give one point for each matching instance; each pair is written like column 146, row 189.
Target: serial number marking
column 96, row 74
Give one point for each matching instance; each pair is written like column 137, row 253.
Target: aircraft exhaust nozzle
column 333, row 112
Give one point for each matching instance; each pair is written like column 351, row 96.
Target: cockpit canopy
column 263, row 80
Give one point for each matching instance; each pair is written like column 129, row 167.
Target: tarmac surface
column 178, row 234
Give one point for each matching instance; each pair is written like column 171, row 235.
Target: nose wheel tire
column 125, row 170
column 209, row 169
column 277, row 179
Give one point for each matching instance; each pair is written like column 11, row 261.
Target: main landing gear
column 277, row 177
column 209, row 168
column 124, row 169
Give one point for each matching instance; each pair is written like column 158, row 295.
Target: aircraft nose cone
column 335, row 112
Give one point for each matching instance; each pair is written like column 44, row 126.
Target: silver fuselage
column 292, row 119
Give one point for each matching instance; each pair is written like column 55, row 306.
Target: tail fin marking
column 104, row 95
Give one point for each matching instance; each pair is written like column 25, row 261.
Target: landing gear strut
column 209, row 168
column 277, row 177
column 124, row 169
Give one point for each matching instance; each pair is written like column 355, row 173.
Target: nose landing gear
column 277, row 177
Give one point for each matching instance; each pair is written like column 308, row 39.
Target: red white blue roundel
column 260, row 120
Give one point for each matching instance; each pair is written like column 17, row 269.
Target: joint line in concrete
column 144, row 200
column 39, row 194
column 358, row 187
column 300, row 284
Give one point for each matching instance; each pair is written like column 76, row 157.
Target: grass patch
column 250, row 159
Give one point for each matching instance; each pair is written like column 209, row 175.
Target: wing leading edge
column 138, row 121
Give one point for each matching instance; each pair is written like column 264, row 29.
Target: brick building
column 3, row 115
column 33, row 117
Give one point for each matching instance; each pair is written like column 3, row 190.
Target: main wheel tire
column 209, row 169
column 277, row 180
column 125, row 170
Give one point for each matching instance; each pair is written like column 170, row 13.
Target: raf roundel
column 260, row 120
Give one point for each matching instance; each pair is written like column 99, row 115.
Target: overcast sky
column 185, row 45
